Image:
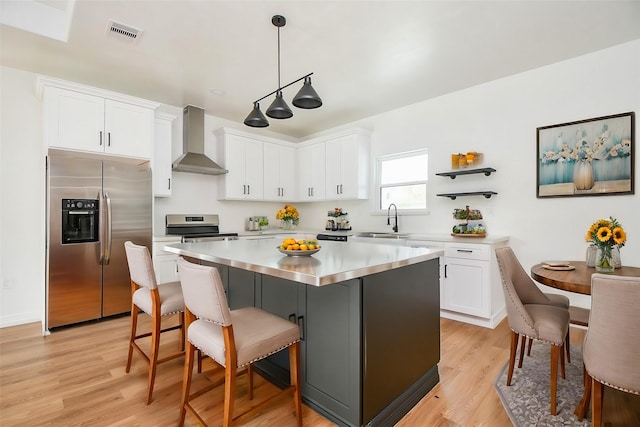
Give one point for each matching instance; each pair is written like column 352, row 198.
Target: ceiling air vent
column 124, row 32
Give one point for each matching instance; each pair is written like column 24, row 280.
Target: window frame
column 380, row 210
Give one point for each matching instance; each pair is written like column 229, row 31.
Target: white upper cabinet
column 347, row 166
column 90, row 120
column 311, row 172
column 161, row 162
column 279, row 172
column 262, row 168
column 244, row 158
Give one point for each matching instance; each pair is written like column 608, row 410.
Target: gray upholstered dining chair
column 156, row 301
column 542, row 322
column 611, row 350
column 234, row 340
column 531, row 294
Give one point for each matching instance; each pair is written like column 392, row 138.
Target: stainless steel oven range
column 196, row 228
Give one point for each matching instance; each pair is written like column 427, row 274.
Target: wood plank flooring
column 76, row 377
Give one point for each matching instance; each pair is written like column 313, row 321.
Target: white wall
column 498, row 118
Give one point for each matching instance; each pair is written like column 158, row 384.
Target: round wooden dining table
column 577, row 280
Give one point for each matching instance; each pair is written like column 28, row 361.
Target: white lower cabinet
column 165, row 263
column 470, row 284
column 161, row 162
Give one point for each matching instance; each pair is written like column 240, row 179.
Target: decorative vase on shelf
column 615, row 255
column 583, row 175
column 604, row 260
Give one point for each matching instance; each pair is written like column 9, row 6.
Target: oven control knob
column 79, row 204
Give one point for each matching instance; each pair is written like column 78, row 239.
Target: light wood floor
column 76, row 376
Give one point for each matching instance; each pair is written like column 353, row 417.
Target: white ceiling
column 367, row 57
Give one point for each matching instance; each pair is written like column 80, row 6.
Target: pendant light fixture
column 306, row 98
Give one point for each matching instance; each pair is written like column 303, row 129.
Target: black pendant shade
column 279, row 108
column 306, row 98
column 256, row 119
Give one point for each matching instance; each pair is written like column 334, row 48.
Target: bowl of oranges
column 301, row 247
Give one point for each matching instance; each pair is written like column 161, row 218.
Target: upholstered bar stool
column 156, row 301
column 537, row 321
column 611, row 350
column 234, row 340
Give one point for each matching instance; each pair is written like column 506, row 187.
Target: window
column 402, row 179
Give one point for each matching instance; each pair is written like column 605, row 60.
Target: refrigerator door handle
column 101, row 231
column 107, row 253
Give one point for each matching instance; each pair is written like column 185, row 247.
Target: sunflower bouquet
column 605, row 234
column 288, row 215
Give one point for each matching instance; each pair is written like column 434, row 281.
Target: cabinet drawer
column 467, row 251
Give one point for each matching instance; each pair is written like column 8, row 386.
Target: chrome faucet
column 395, row 226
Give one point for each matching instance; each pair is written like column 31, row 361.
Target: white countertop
column 335, row 262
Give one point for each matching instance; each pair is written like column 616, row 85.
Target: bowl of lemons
column 301, row 247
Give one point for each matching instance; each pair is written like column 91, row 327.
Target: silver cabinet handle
column 169, row 187
column 337, row 189
column 100, row 138
column 466, row 251
column 108, row 139
column 248, row 189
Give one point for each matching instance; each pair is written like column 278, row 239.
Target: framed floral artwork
column 592, row 157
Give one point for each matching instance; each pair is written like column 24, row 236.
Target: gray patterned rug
column 527, row 400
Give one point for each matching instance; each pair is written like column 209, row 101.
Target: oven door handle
column 107, row 252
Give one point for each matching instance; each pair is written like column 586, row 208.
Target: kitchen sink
column 379, row 235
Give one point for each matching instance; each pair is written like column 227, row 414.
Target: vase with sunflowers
column 606, row 234
column 288, row 216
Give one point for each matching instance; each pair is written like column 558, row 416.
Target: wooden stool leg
column 230, row 373
column 522, row 346
column 512, row 356
column 555, row 355
column 596, row 402
column 562, row 370
column 568, row 346
column 182, row 331
column 529, row 347
column 186, row 382
column 294, row 369
column 583, row 406
column 155, row 348
column 134, row 328
column 250, row 378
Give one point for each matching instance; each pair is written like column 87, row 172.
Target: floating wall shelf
column 453, row 174
column 452, row 196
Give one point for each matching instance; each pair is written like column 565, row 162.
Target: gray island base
column 369, row 318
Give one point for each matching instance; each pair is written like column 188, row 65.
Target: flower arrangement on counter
column 288, row 215
column 605, row 234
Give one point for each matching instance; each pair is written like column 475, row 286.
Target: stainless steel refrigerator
column 93, row 207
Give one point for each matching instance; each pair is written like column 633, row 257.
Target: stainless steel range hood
column 193, row 158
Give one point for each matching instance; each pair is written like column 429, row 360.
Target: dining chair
column 543, row 322
column 234, row 340
column 155, row 300
column 611, row 350
column 531, row 294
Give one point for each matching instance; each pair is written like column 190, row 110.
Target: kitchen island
column 369, row 318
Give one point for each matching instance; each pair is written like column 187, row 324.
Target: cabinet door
column 333, row 161
column 464, row 286
column 166, row 268
column 332, row 358
column 241, row 287
column 311, row 172
column 73, row 120
column 347, row 172
column 279, row 172
column 254, row 169
column 244, row 159
column 129, row 129
column 161, row 165
column 280, row 297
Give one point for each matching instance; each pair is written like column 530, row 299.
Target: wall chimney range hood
column 193, row 158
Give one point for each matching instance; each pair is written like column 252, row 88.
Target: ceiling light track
column 306, row 98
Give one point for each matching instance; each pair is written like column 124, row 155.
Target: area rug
column 527, row 400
